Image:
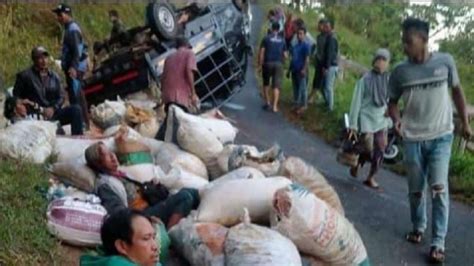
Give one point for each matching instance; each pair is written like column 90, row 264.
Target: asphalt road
column 383, row 218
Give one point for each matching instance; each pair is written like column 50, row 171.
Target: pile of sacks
column 139, row 115
column 257, row 207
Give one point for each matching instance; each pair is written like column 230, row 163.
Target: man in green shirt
column 128, row 239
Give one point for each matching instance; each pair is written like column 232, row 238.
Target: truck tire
column 162, row 21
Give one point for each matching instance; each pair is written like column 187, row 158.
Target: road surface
column 382, row 219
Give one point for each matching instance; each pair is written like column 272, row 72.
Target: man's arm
column 59, row 96
column 261, row 56
column 110, row 200
column 74, row 41
column 460, row 102
column 331, row 51
column 19, row 89
column 192, row 66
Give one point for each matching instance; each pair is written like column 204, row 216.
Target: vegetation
column 360, row 30
column 23, row 26
column 24, row 237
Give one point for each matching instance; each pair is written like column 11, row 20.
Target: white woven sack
column 31, row 141
column 251, row 244
column 76, row 222
column 169, row 156
column 224, row 202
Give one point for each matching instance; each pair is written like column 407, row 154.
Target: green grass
column 24, row 239
column 328, row 125
column 23, row 26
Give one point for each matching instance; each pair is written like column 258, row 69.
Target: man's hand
column 72, row 73
column 397, row 126
column 195, row 99
column 27, row 102
column 466, row 131
column 325, row 71
column 303, row 73
column 48, row 112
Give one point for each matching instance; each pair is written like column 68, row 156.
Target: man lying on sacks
column 117, row 190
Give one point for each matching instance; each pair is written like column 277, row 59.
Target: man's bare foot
column 300, row 111
column 372, row 184
column 275, row 109
column 353, row 171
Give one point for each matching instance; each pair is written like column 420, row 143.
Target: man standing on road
column 177, row 81
column 329, row 64
column 73, row 58
column 40, row 88
column 299, row 71
column 425, row 81
column 318, row 60
column 270, row 62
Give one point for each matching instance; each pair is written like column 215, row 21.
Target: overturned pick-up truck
column 218, row 32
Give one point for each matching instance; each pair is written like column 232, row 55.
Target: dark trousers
column 161, row 133
column 371, row 148
column 181, row 203
column 72, row 115
column 76, row 94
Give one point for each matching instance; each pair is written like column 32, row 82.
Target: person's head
column 271, row 14
column 39, row 56
column 131, row 234
column 14, row 107
column 63, row 13
column 327, row 26
column 113, row 15
column 275, row 27
column 101, row 159
column 321, row 23
column 299, row 22
column 301, row 33
column 415, row 37
column 182, row 42
column 381, row 60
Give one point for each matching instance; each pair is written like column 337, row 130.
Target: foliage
column 23, row 26
column 25, row 240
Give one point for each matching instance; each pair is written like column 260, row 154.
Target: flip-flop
column 437, row 255
column 377, row 188
column 414, row 237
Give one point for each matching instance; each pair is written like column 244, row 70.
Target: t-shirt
column 299, row 53
column 174, row 85
column 428, row 112
column 274, row 48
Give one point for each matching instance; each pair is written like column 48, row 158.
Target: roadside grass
column 23, row 233
column 328, row 125
column 23, row 26
column 25, row 239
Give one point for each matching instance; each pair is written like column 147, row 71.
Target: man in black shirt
column 42, row 86
column 329, row 64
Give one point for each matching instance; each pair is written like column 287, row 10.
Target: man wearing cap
column 42, row 86
column 367, row 116
column 73, row 57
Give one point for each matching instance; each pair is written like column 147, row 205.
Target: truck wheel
column 161, row 19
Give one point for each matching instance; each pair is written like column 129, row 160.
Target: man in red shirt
column 177, row 80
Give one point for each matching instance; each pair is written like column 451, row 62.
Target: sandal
column 414, row 237
column 437, row 255
column 372, row 186
column 354, row 171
